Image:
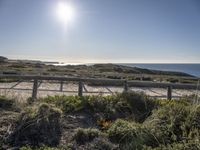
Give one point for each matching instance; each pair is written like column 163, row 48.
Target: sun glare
column 65, row 12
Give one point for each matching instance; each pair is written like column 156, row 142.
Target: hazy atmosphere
column 118, row 31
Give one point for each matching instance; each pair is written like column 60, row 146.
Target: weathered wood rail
column 37, row 80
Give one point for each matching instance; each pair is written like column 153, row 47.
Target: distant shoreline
column 188, row 68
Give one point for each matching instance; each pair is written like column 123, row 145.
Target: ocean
column 192, row 69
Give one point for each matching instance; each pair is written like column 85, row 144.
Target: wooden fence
column 37, row 80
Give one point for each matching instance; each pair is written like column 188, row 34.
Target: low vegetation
column 37, row 125
column 109, row 71
column 127, row 121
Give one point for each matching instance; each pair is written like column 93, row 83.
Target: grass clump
column 172, row 125
column 108, row 108
column 126, row 105
column 39, row 148
column 92, row 139
column 38, row 125
column 168, row 123
column 102, row 144
column 141, row 105
column 123, row 132
column 103, row 108
column 191, row 145
column 65, row 103
column 130, row 135
column 175, row 125
column 86, row 135
column 5, row 103
column 193, row 123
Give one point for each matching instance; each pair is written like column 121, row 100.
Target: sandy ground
column 72, row 89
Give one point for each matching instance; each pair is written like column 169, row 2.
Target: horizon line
column 94, row 61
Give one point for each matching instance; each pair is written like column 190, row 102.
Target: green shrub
column 125, row 105
column 9, row 80
column 126, row 121
column 190, row 145
column 53, row 70
column 173, row 80
column 193, row 122
column 147, row 79
column 101, row 143
column 183, row 102
column 17, row 65
column 26, row 148
column 127, row 134
column 65, row 103
column 101, row 106
column 167, row 123
column 92, row 139
column 38, row 125
column 131, row 135
column 167, row 128
column 82, row 136
column 39, row 148
column 141, row 105
column 7, row 104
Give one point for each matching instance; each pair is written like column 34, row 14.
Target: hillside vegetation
column 110, row 71
column 127, row 121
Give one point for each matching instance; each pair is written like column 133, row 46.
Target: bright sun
column 65, row 12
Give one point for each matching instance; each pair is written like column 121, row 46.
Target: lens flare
column 65, row 12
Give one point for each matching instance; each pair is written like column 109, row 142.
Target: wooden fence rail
column 126, row 84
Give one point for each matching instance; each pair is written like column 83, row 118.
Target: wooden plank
column 109, row 90
column 85, row 89
column 15, row 84
column 61, row 78
column 44, row 90
column 39, row 84
column 110, row 81
column 161, row 85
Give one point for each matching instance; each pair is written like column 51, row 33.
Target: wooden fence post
column 61, row 86
column 35, row 88
column 169, row 92
column 80, row 88
column 125, row 86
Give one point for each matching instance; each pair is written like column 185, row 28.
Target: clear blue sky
column 102, row 31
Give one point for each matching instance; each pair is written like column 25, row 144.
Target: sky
column 102, row 31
